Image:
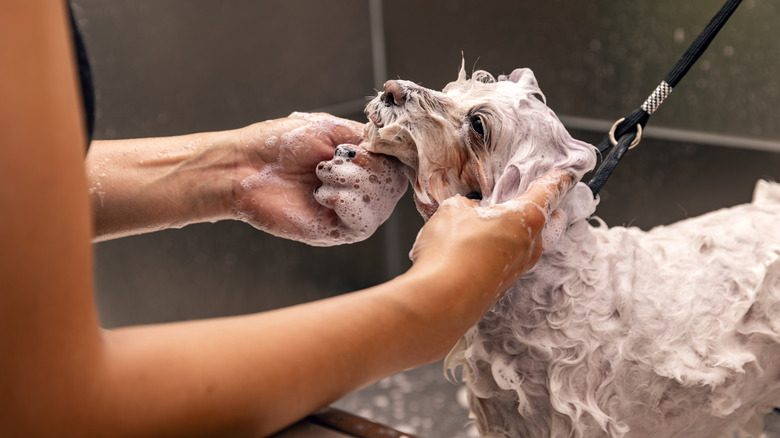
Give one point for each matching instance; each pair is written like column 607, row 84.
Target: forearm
column 264, row 174
column 146, row 185
column 252, row 375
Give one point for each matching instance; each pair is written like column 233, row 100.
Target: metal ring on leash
column 636, row 139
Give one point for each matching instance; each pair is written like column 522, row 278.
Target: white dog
column 615, row 332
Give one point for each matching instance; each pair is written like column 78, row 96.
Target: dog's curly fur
column 615, row 332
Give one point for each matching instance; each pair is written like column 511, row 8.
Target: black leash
column 627, row 132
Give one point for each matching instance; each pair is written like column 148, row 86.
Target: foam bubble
column 554, row 229
column 264, row 176
column 494, row 211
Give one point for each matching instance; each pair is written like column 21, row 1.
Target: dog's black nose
column 394, row 94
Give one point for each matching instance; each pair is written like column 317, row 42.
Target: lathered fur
column 615, row 332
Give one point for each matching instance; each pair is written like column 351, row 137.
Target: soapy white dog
column 616, row 331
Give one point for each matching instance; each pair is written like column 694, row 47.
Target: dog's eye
column 474, row 195
column 476, row 126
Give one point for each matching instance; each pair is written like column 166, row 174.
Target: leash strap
column 627, row 132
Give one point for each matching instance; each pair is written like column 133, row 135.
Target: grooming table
column 333, row 423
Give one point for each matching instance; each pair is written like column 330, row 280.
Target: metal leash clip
column 636, row 139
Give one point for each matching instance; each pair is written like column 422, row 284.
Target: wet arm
column 252, row 375
column 144, row 185
column 257, row 174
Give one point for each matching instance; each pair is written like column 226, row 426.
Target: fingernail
column 345, row 151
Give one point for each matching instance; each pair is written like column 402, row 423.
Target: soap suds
column 355, row 201
column 266, row 176
column 357, row 194
column 359, row 190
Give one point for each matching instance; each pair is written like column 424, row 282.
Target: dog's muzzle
column 394, row 94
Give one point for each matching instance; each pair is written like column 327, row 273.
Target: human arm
column 264, row 174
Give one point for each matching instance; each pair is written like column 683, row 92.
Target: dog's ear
column 525, row 78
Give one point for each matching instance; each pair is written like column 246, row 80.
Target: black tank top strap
column 85, row 77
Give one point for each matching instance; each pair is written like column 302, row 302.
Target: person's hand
column 275, row 189
column 362, row 188
column 487, row 249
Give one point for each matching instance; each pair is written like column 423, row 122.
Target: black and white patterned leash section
column 627, row 132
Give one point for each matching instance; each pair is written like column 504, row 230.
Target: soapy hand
column 493, row 246
column 362, row 188
column 275, row 190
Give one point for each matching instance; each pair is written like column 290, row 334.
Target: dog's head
column 479, row 137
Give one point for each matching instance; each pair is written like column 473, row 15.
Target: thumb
column 548, row 190
column 545, row 193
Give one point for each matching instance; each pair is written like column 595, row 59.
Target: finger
column 358, row 155
column 347, row 134
column 326, row 171
column 548, row 190
column 456, row 202
column 338, row 130
column 326, row 196
column 343, row 154
column 345, row 130
column 537, row 203
column 353, row 153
